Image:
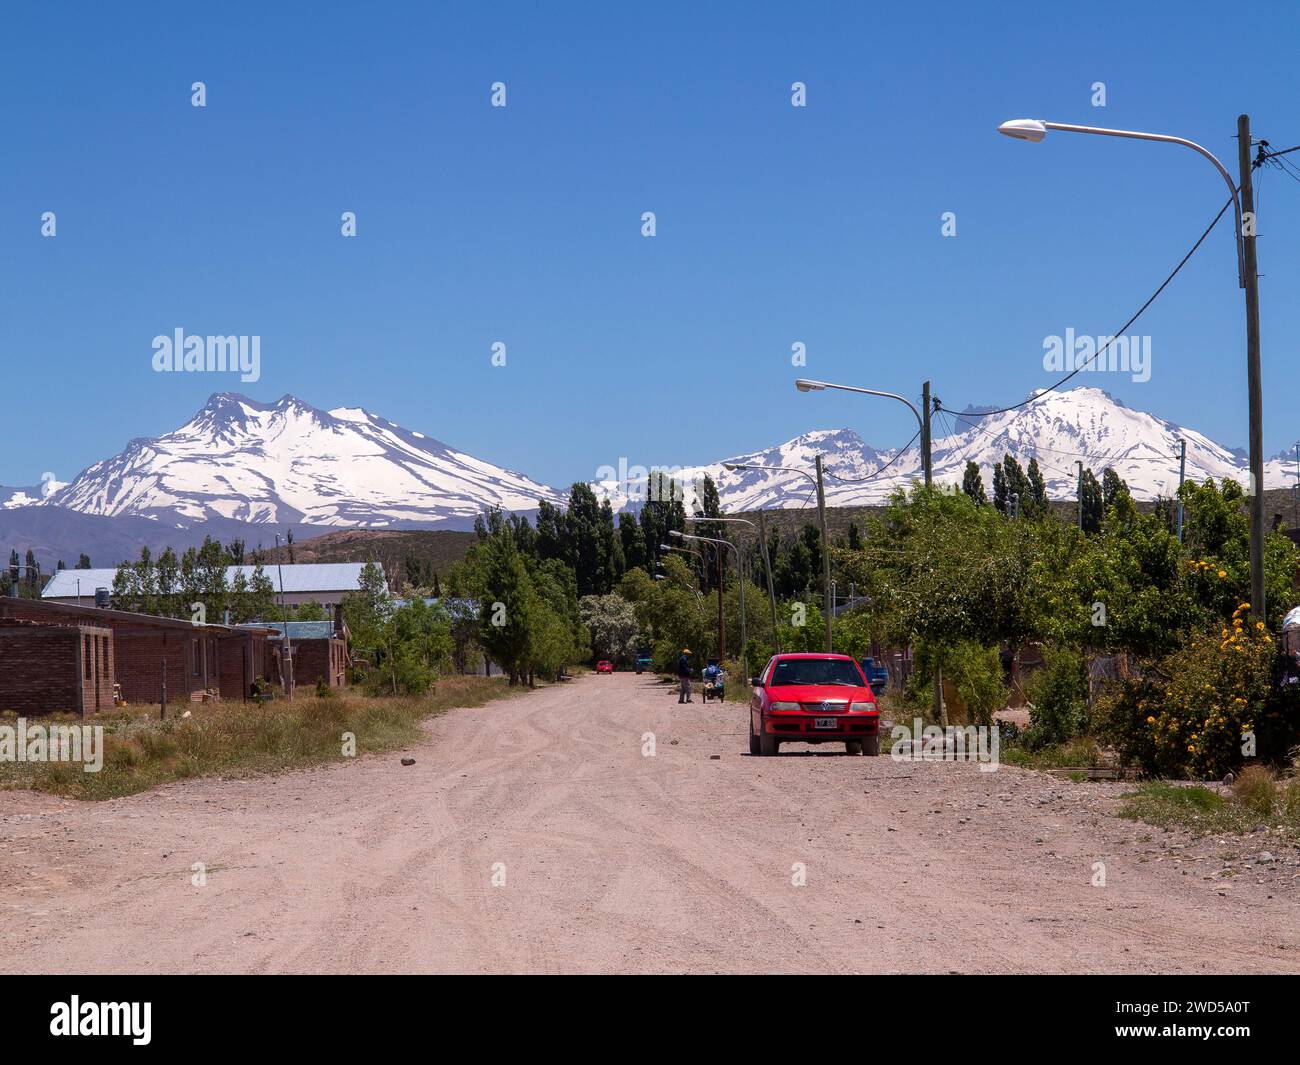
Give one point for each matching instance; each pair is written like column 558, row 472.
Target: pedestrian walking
column 684, row 675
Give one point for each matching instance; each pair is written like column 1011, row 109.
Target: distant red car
column 813, row 698
column 604, row 666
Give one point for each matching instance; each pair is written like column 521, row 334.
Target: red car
column 604, row 666
column 812, row 698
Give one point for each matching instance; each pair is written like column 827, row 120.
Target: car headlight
column 862, row 708
column 784, row 706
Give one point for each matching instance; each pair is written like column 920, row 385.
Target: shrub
column 1058, row 697
column 973, row 670
column 1256, row 789
column 1194, row 714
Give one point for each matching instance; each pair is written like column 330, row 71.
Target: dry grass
column 244, row 739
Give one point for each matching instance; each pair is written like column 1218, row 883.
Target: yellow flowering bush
column 1189, row 717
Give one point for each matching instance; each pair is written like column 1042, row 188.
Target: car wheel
column 753, row 741
column 871, row 745
column 852, row 746
column 767, row 745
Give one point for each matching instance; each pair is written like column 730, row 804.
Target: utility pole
column 722, row 630
column 771, row 589
column 1254, row 376
column 826, row 549
column 1182, row 473
column 927, row 464
column 286, row 666
column 927, row 461
column 1079, row 491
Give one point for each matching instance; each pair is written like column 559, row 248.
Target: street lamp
column 927, row 465
column 818, row 483
column 723, row 543
column 699, row 599
column 922, row 418
column 1243, row 205
column 767, row 565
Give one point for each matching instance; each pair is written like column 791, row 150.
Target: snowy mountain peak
column 1057, row 428
column 288, row 461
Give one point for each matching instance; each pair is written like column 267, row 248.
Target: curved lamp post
column 725, row 543
column 1243, row 204
column 927, row 464
column 767, row 565
column 821, row 521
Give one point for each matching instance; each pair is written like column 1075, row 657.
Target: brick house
column 320, row 651
column 55, row 668
column 156, row 657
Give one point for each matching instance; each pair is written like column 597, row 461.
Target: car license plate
column 826, row 722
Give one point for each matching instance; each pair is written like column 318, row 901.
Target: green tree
column 1113, row 488
column 972, row 483
column 632, row 537
column 1037, row 505
column 1093, row 502
column 507, row 603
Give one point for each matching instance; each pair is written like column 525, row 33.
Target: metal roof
column 301, row 630
column 299, row 577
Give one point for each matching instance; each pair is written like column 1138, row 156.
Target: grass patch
column 1256, row 798
column 244, row 739
column 1081, row 752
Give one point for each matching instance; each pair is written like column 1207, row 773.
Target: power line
column 872, row 476
column 1122, row 329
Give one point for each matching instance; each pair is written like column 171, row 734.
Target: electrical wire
column 872, row 476
column 1122, row 329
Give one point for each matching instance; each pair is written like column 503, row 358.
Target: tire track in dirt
column 614, row 862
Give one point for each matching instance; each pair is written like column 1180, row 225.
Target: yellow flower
column 1222, row 573
column 1259, row 625
column 1151, row 720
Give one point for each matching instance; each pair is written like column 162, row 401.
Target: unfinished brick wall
column 312, row 660
column 55, row 669
column 145, row 656
column 198, row 658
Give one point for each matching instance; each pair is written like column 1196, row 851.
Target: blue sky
column 522, row 224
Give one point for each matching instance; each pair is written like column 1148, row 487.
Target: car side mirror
column 756, row 681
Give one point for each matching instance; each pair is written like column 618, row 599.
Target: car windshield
column 791, row 671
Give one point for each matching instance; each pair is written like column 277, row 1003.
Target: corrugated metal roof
column 301, row 630
column 299, row 577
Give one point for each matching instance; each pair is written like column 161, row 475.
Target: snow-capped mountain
column 1057, row 428
column 29, row 494
column 290, row 462
column 239, row 463
column 1089, row 425
column 843, row 451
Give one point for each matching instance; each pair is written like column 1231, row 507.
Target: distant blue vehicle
column 877, row 676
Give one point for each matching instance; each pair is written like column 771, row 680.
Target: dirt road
column 614, row 861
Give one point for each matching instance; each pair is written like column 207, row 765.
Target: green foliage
column 1191, row 715
column 972, row 483
column 973, row 670
column 672, row 613
column 1058, row 694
